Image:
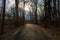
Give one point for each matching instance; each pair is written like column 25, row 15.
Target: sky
column 9, row 4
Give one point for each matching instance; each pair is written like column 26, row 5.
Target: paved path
column 30, row 32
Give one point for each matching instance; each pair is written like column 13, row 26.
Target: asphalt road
column 29, row 32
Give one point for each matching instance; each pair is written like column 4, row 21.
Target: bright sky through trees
column 28, row 8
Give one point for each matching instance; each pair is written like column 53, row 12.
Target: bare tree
column 23, row 12
column 47, row 8
column 55, row 14
column 36, row 12
column 16, row 2
column 58, row 10
column 3, row 16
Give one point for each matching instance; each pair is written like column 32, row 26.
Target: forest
column 14, row 13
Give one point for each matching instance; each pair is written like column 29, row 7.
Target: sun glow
column 27, row 8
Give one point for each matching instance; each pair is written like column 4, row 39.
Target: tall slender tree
column 58, row 10
column 55, row 14
column 36, row 1
column 47, row 8
column 23, row 11
column 16, row 8
column 3, row 16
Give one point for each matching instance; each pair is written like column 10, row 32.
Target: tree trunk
column 55, row 14
column 24, row 12
column 36, row 12
column 3, row 16
column 47, row 8
column 16, row 2
column 58, row 10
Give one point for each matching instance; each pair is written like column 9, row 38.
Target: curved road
column 30, row 32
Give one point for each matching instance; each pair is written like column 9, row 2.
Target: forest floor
column 55, row 32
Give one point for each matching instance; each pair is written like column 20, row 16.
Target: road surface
column 29, row 32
